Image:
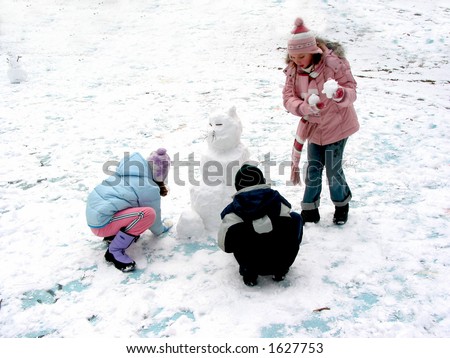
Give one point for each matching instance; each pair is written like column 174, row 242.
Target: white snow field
column 109, row 77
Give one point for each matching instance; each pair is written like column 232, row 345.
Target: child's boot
column 249, row 276
column 108, row 239
column 116, row 252
column 280, row 275
column 250, row 280
column 310, row 216
column 340, row 215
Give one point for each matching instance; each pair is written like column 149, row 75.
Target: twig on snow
column 321, row 309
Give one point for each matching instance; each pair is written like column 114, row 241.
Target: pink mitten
column 295, row 174
column 339, row 94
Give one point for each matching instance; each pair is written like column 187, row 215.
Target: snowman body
column 16, row 73
column 219, row 163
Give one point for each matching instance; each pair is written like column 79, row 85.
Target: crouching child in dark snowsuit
column 259, row 228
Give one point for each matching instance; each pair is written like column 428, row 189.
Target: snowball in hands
column 330, row 87
column 313, row 100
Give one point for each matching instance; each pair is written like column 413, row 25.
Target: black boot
column 310, row 216
column 251, row 280
column 249, row 276
column 340, row 215
column 280, row 275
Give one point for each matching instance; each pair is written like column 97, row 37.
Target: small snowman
column 224, row 155
column 16, row 73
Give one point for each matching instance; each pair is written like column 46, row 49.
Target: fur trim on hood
column 336, row 47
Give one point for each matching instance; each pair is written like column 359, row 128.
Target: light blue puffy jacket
column 131, row 186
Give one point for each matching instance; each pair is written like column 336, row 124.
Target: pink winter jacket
column 337, row 120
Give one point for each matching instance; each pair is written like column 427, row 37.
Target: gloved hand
column 308, row 109
column 295, row 174
column 333, row 91
column 295, row 159
column 167, row 225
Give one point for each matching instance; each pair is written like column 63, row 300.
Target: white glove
column 167, row 225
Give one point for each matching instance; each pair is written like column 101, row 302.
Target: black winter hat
column 248, row 175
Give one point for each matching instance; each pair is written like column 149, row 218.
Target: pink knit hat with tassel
column 159, row 161
column 302, row 40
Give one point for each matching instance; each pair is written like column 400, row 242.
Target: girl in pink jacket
column 321, row 90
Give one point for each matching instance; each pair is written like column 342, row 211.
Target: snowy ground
column 110, row 77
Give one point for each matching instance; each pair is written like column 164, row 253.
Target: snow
column 113, row 76
column 329, row 88
column 313, row 99
column 213, row 188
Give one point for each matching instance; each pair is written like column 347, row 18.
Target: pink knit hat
column 159, row 161
column 303, row 40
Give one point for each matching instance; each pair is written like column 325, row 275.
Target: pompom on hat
column 302, row 40
column 248, row 175
column 159, row 162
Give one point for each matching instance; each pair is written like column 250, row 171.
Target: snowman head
column 13, row 61
column 224, row 131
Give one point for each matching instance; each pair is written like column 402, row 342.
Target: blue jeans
column 330, row 157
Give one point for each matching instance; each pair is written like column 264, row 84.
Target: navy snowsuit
column 259, row 228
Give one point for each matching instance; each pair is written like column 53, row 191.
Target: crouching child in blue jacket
column 128, row 203
column 259, row 228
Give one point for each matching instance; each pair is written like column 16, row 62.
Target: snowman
column 219, row 163
column 15, row 72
